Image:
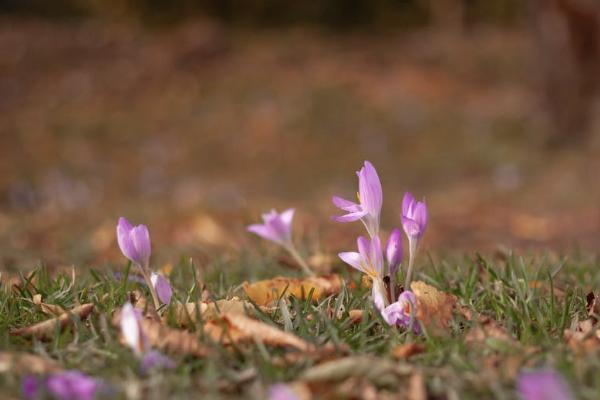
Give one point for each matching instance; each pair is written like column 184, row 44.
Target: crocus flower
column 543, row 385
column 281, row 391
column 131, row 329
column 72, row 385
column 30, row 387
column 394, row 252
column 134, row 242
column 276, row 227
column 370, row 197
column 162, row 287
column 414, row 222
column 402, row 312
column 155, row 360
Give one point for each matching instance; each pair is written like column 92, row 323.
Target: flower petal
column 345, row 205
column 141, row 241
column 264, row 232
column 287, row 216
column 155, row 360
column 131, row 328
column 126, row 245
column 369, row 188
column 411, row 227
column 542, row 385
column 350, row 217
column 162, row 287
column 353, row 259
column 394, row 251
column 71, row 385
column 407, row 202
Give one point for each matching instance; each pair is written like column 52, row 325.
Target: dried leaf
column 584, row 338
column 416, row 387
column 434, row 307
column 407, row 350
column 45, row 329
column 25, row 363
column 268, row 291
column 186, row 314
column 485, row 329
column 240, row 328
column 163, row 337
column 49, row 309
column 356, row 316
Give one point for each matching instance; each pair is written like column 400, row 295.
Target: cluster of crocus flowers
column 134, row 242
column 369, row 258
column 277, row 228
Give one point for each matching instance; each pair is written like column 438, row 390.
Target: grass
column 534, row 315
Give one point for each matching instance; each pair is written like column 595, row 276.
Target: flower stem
column 411, row 260
column 305, row 268
column 151, row 287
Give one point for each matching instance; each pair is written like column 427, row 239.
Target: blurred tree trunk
column 568, row 34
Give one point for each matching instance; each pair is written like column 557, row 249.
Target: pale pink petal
column 353, row 259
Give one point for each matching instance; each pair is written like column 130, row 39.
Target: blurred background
column 196, row 116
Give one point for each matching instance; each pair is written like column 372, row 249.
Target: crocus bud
column 162, row 287
column 394, row 251
column 134, row 242
column 414, row 217
column 276, row 227
column 131, row 329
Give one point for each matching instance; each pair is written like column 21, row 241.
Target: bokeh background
column 196, row 116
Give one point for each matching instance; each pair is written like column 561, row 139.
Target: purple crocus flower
column 394, row 252
column 276, row 227
column 281, row 391
column 402, row 312
column 134, row 242
column 131, row 329
column 155, row 360
column 370, row 197
column 368, row 259
column 72, row 385
column 414, row 222
column 162, row 287
column 543, row 385
column 30, row 387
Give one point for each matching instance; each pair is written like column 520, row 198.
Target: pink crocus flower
column 414, row 222
column 402, row 312
column 162, row 287
column 134, row 242
column 276, row 227
column 394, row 253
column 543, row 385
column 281, row 391
column 131, row 329
column 370, row 197
column 67, row 385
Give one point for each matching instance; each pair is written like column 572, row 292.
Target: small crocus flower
column 72, row 385
column 162, row 287
column 370, row 197
column 155, row 360
column 134, row 242
column 394, row 252
column 281, row 391
column 414, row 222
column 276, row 227
column 30, row 387
column 402, row 312
column 131, row 329
column 543, row 385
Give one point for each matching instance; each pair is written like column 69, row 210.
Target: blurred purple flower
column 543, row 385
column 394, row 252
column 162, row 287
column 414, row 217
column 72, row 385
column 155, row 360
column 30, row 387
column 134, row 242
column 402, row 312
column 370, row 197
column 368, row 259
column 276, row 227
column 131, row 329
column 281, row 391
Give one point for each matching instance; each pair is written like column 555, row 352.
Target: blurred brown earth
column 197, row 129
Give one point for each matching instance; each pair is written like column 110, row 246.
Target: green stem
column 411, row 260
column 151, row 287
column 305, row 268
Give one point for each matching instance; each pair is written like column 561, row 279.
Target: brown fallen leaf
column 45, row 329
column 48, row 309
column 25, row 363
column 186, row 314
column 584, row 338
column 318, row 354
column 434, row 307
column 163, row 337
column 407, row 350
column 356, row 316
column 267, row 292
column 416, row 387
column 487, row 328
column 238, row 328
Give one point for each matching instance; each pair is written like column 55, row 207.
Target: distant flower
column 72, row 385
column 134, row 242
column 276, row 227
column 280, row 391
column 370, row 197
column 155, row 360
column 543, row 385
column 162, row 287
column 368, row 260
column 131, row 329
column 394, row 252
column 414, row 217
column 402, row 312
column 30, row 387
